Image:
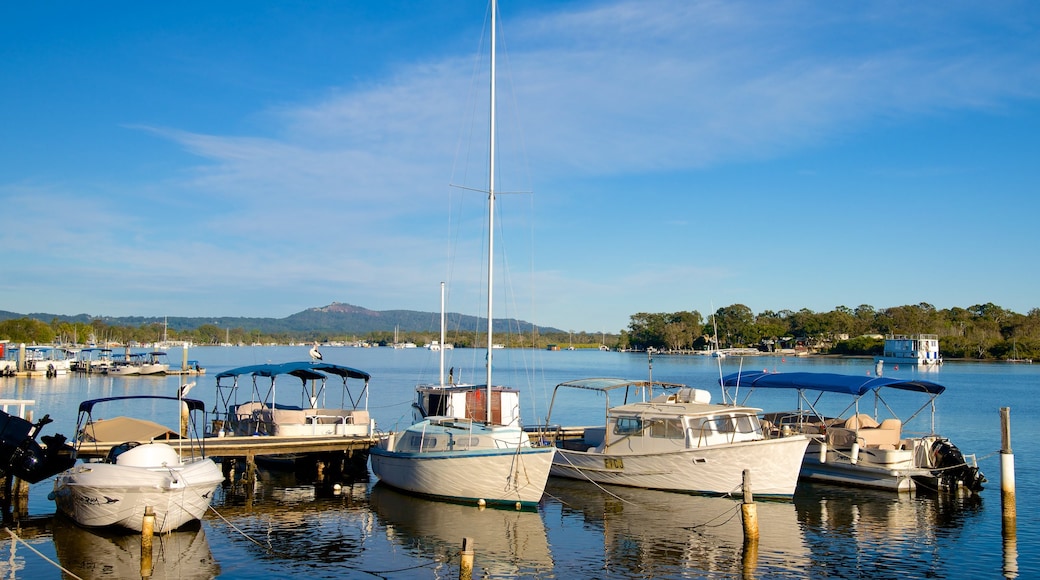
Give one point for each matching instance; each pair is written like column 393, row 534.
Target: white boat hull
column 107, row 494
column 154, row 369
column 124, row 370
column 504, row 476
column 774, row 465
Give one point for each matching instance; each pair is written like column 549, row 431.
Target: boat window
column 466, row 442
column 724, row 424
column 628, row 425
column 667, row 429
column 747, row 424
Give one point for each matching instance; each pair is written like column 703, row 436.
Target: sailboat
column 467, row 444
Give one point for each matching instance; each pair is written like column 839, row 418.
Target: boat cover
column 855, row 385
column 126, row 429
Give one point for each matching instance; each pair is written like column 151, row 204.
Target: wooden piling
column 147, row 530
column 749, row 511
column 749, row 517
column 466, row 559
column 1009, row 524
column 1007, row 471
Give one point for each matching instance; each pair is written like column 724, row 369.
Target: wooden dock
column 328, row 456
column 250, row 447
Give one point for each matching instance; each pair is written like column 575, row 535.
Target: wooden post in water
column 749, row 517
column 1007, row 471
column 147, row 530
column 466, row 559
column 749, row 511
column 1007, row 496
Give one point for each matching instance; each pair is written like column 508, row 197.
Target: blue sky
column 261, row 158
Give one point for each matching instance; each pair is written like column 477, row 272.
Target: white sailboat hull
column 107, row 494
column 503, row 476
column 774, row 466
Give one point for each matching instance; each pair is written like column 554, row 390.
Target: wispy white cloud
column 343, row 194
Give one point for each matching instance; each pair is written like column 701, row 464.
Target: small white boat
column 465, row 459
column 125, row 364
column 467, row 444
column 171, row 476
column 311, row 413
column 55, row 361
column 93, row 360
column 674, row 441
column 154, row 363
column 866, row 450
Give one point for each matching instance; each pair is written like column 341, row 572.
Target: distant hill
column 336, row 318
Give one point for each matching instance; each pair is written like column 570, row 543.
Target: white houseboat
column 914, row 349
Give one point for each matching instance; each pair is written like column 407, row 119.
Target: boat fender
column 823, row 450
column 855, row 453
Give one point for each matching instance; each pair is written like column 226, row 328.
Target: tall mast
column 491, row 210
column 442, row 336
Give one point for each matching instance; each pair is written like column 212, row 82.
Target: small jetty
column 332, row 454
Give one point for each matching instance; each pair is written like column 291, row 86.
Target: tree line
column 983, row 331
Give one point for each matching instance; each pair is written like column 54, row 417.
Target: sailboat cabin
column 468, row 402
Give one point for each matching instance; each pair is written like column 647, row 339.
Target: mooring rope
column 14, row 542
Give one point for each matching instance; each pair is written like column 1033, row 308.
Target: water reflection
column 653, row 533
column 86, row 553
column 507, row 543
column 876, row 534
column 304, row 529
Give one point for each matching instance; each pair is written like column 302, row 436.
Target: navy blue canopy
column 304, row 370
column 193, row 404
column 855, row 385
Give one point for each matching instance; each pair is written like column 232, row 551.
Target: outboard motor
column 950, row 460
column 23, row 457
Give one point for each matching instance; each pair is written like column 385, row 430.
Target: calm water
column 291, row 529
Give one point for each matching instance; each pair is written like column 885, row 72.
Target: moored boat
column 676, row 440
column 463, row 447
column 863, row 449
column 311, row 413
column 154, row 363
column 147, row 466
column 914, row 349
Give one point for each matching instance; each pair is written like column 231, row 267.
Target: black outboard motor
column 23, row 457
column 954, row 468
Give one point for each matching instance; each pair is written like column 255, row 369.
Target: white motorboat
column 55, row 361
column 467, row 444
column 148, row 466
column 861, row 449
column 676, row 440
column 154, row 363
column 310, row 414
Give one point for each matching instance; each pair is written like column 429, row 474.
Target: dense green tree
column 27, row 330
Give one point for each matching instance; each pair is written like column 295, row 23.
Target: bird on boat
column 185, row 388
column 315, row 355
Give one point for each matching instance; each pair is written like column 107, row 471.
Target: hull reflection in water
column 649, row 533
column 894, row 532
column 101, row 553
column 507, row 542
